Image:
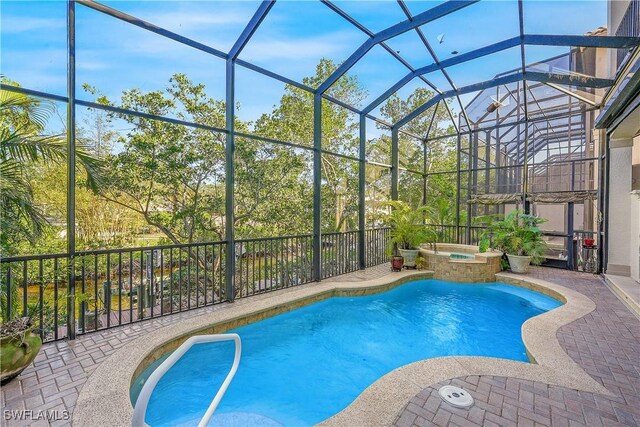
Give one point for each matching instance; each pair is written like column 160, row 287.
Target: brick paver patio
column 606, row 343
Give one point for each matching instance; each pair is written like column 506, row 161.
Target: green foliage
column 515, row 234
column 407, row 228
column 23, row 146
column 421, row 263
column 437, row 155
column 172, row 176
column 167, row 181
column 292, row 120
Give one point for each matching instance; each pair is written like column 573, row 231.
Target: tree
column 275, row 182
column 438, row 155
column 411, row 151
column 292, row 121
column 169, row 174
column 96, row 129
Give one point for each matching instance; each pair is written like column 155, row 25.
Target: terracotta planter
column 519, row 264
column 409, row 256
column 396, row 263
column 16, row 353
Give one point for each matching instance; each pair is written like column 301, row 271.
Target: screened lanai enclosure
column 211, row 151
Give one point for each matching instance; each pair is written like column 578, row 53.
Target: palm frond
column 19, row 212
column 33, row 111
column 23, row 119
column 32, row 148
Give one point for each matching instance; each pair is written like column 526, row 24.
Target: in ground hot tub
column 461, row 263
column 461, row 256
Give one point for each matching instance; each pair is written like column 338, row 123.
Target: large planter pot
column 519, row 264
column 16, row 353
column 409, row 256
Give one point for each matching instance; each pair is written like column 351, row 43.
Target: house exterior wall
column 619, row 258
column 634, row 244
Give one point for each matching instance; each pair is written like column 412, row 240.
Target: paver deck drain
column 456, row 396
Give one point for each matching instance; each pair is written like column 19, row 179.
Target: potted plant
column 397, row 262
column 407, row 232
column 518, row 235
column 19, row 345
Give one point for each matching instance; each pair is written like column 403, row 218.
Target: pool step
column 140, row 408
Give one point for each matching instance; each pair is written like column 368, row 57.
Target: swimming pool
column 301, row 367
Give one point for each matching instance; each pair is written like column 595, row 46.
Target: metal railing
column 142, row 402
column 446, row 233
column 470, row 235
column 112, row 287
column 271, row 263
column 35, row 286
column 375, row 245
column 121, row 286
column 340, row 253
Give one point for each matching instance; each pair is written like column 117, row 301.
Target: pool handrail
column 140, row 408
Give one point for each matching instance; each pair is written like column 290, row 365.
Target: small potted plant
column 518, row 235
column 407, row 232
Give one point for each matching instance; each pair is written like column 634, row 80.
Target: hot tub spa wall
column 482, row 268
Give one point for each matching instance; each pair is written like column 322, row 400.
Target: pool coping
column 104, row 399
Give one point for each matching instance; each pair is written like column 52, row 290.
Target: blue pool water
column 301, row 367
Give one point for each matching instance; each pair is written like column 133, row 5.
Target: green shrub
column 407, row 228
column 515, row 234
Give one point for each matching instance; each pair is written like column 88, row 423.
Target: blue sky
column 114, row 56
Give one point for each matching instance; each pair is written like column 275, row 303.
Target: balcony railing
column 121, row 286
column 112, row 287
column 629, row 27
column 271, row 263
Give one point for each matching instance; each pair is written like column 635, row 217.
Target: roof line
column 510, row 78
